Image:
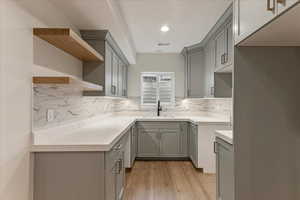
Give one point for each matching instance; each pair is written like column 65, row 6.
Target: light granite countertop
column 226, row 135
column 100, row 133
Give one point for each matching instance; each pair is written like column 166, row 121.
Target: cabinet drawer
column 115, row 152
column 159, row 125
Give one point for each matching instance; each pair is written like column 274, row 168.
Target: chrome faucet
column 159, row 108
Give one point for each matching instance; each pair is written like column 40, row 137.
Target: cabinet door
column 209, row 68
column 148, row 143
column 133, row 144
column 186, row 76
column 193, row 142
column 110, row 182
column 115, row 71
column 196, row 74
column 120, row 79
column 225, row 171
column 252, row 14
column 170, row 143
column 184, row 139
column 108, row 70
column 285, row 4
column 125, row 79
column 229, row 44
column 120, row 177
column 220, row 49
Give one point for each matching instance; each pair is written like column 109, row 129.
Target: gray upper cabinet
column 229, row 42
column 220, row 49
column 214, row 54
column 223, row 85
column 112, row 73
column 252, row 15
column 224, row 46
column 108, row 70
column 123, row 71
column 194, row 73
column 162, row 139
column 115, row 75
column 225, row 170
column 209, row 50
column 125, row 80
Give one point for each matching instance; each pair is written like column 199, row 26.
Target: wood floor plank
column 168, row 180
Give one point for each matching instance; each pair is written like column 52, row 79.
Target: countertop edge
column 107, row 147
column 220, row 134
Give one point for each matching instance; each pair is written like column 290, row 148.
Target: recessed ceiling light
column 164, row 28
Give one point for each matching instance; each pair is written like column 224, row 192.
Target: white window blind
column 157, row 86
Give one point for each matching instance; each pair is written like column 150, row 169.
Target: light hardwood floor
column 168, row 180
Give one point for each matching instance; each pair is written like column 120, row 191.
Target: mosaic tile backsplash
column 69, row 105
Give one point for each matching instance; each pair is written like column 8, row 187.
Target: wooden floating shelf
column 86, row 86
column 67, row 40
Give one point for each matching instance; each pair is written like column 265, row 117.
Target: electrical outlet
column 50, row 115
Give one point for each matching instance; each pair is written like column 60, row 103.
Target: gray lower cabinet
column 225, row 170
column 133, row 145
column 170, row 143
column 80, row 175
column 193, row 144
column 69, row 175
column 162, row 139
column 115, row 171
column 148, row 143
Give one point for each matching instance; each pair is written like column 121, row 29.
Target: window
column 157, row 86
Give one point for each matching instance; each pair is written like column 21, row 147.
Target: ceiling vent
column 163, row 44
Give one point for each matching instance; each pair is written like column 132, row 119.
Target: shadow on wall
column 43, row 54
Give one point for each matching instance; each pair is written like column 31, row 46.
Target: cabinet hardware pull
column 215, row 145
column 120, row 166
column 281, row 1
column 269, row 8
column 116, row 168
column 222, row 59
column 225, row 58
column 117, row 148
column 113, row 89
column 212, row 90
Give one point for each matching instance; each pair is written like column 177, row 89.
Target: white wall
column 165, row 62
column 20, row 51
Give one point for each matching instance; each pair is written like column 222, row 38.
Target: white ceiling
column 189, row 22
column 99, row 14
